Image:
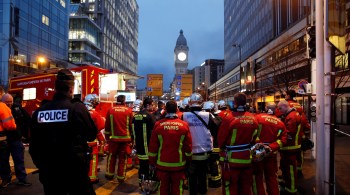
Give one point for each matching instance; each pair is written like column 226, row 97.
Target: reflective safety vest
column 235, row 146
column 100, row 125
column 7, row 122
column 202, row 140
column 119, row 124
column 171, row 145
column 293, row 125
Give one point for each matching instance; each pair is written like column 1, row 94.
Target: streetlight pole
column 240, row 64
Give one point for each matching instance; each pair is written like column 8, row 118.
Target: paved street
column 104, row 187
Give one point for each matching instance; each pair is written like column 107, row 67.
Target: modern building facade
column 33, row 35
column 207, row 73
column 84, row 36
column 118, row 21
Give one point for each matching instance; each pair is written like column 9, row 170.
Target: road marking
column 111, row 185
column 29, row 171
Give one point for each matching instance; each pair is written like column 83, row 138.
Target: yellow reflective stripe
column 279, row 143
column 180, row 147
column 152, row 154
column 142, row 157
column 233, row 137
column 181, row 189
column 133, row 132
column 145, row 145
column 93, row 168
column 227, row 187
column 254, row 134
column 236, row 160
column 255, row 191
column 112, row 125
column 297, row 135
column 188, row 154
column 120, row 137
column 160, row 138
column 216, row 150
column 7, row 119
column 108, row 165
column 200, row 157
column 259, row 132
column 127, row 126
column 166, row 164
column 291, row 147
column 292, row 185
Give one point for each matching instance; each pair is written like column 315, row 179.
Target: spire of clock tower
column 181, row 54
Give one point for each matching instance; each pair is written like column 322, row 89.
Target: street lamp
column 41, row 60
column 240, row 62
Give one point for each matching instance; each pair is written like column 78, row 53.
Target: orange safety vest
column 7, row 122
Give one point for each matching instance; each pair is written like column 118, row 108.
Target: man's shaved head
column 7, row 99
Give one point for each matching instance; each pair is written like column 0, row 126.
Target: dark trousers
column 16, row 149
column 143, row 170
column 198, row 177
column 5, row 171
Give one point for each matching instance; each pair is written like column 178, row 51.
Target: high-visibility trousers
column 266, row 168
column 117, row 150
column 93, row 164
column 171, row 182
column 288, row 166
column 237, row 181
column 300, row 161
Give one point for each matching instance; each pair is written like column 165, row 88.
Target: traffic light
column 311, row 40
column 313, row 111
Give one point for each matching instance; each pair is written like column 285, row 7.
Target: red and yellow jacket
column 272, row 131
column 305, row 125
column 226, row 118
column 7, row 122
column 292, row 122
column 119, row 124
column 171, row 145
column 100, row 124
column 235, row 140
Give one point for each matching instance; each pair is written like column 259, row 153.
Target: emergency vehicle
column 35, row 88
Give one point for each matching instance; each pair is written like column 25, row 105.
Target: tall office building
column 33, row 35
column 207, row 73
column 119, row 21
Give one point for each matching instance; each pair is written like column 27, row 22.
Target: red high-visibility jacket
column 99, row 123
column 226, row 118
column 272, row 131
column 171, row 144
column 7, row 122
column 305, row 125
column 119, row 124
column 236, row 139
column 292, row 122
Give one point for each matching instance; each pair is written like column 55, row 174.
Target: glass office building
column 33, row 35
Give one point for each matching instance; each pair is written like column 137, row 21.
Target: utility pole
column 320, row 136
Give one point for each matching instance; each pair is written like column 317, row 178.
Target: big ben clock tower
column 181, row 54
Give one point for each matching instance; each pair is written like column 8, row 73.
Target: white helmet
column 196, row 100
column 222, row 104
column 185, row 102
column 209, row 105
column 137, row 105
column 91, row 101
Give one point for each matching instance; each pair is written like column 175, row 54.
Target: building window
column 63, row 3
column 45, row 20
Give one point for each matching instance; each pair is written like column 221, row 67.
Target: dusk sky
column 160, row 22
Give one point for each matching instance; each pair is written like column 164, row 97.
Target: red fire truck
column 33, row 89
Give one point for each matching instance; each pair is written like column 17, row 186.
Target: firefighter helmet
column 222, row 104
column 196, row 100
column 258, row 152
column 149, row 185
column 91, row 101
column 307, row 144
column 137, row 105
column 209, row 105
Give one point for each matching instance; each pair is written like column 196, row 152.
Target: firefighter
column 160, row 112
column 91, row 101
column 7, row 123
column 170, row 151
column 184, row 105
column 305, row 126
column 202, row 125
column 273, row 134
column 235, row 156
column 142, row 126
column 118, row 135
column 214, row 178
column 291, row 149
column 225, row 114
column 60, row 130
column 14, row 139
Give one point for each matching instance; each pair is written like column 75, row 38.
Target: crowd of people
column 192, row 144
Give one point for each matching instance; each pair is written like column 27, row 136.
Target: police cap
column 65, row 75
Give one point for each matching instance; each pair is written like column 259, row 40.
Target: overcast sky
column 160, row 22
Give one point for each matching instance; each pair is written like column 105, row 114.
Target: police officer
column 60, row 130
column 202, row 125
column 142, row 126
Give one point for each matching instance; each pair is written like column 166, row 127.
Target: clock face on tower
column 181, row 56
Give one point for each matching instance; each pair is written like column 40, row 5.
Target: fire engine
column 35, row 89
